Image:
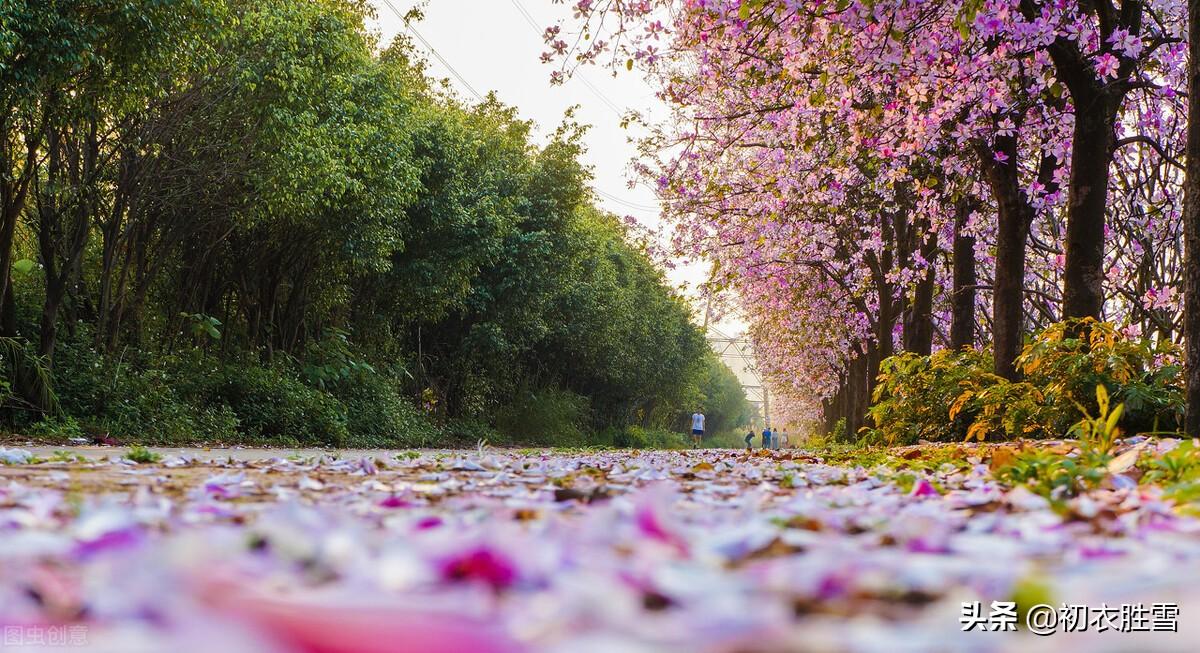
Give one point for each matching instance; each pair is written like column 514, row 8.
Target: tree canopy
column 206, row 188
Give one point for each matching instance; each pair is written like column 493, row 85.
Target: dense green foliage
column 953, row 395
column 245, row 221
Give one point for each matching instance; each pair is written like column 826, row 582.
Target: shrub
column 273, row 406
column 548, row 416
column 1067, row 360
column 954, row 395
column 142, row 455
column 468, row 432
column 148, row 400
column 379, row 416
column 59, row 428
column 838, row 434
column 636, row 437
column 914, row 393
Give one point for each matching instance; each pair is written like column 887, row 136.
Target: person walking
column 697, row 429
column 750, row 440
column 766, row 438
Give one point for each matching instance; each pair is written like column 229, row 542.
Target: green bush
column 470, row 431
column 636, row 437
column 59, row 428
column 148, row 400
column 915, row 392
column 273, row 406
column 378, row 415
column 548, row 416
column 1069, row 359
column 329, row 399
column 192, row 398
column 953, row 395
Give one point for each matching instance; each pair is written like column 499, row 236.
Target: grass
column 141, row 455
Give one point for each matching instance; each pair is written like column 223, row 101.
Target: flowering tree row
column 873, row 176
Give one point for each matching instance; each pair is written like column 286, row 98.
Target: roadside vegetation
column 250, row 222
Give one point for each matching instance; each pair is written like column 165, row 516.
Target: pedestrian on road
column 697, row 429
column 750, row 440
column 783, row 440
column 766, row 436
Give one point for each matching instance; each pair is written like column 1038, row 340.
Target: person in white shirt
column 697, row 429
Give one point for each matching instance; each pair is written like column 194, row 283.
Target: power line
column 462, row 80
column 536, row 30
column 603, row 98
column 627, row 203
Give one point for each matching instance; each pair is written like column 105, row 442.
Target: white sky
column 493, row 46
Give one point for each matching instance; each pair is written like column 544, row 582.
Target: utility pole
column 766, row 407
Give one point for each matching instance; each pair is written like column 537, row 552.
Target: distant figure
column 766, row 436
column 783, row 440
column 697, row 429
column 750, row 440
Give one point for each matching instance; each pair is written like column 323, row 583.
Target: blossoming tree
column 860, row 171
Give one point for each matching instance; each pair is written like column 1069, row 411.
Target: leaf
column 978, row 431
column 1125, row 461
column 959, row 403
column 24, row 266
column 1002, row 457
column 1110, row 426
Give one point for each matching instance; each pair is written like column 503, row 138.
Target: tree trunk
column 16, row 177
column 8, row 313
column 832, row 408
column 1091, row 150
column 857, row 393
column 962, row 297
column 1191, row 227
column 1012, row 231
column 48, row 331
column 918, row 318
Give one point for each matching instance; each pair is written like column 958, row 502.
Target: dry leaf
column 1002, row 456
column 1123, row 462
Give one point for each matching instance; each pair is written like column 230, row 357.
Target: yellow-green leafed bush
column 914, row 394
column 954, row 395
column 1067, row 360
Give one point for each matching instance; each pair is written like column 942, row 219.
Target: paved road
column 237, row 453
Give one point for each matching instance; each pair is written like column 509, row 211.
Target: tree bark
column 1014, row 214
column 63, row 228
column 965, row 280
column 1191, row 228
column 918, row 317
column 15, row 181
column 1091, row 151
column 857, row 392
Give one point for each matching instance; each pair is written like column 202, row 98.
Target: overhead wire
column 437, row 55
column 612, row 106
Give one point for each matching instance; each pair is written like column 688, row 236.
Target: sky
column 495, row 45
